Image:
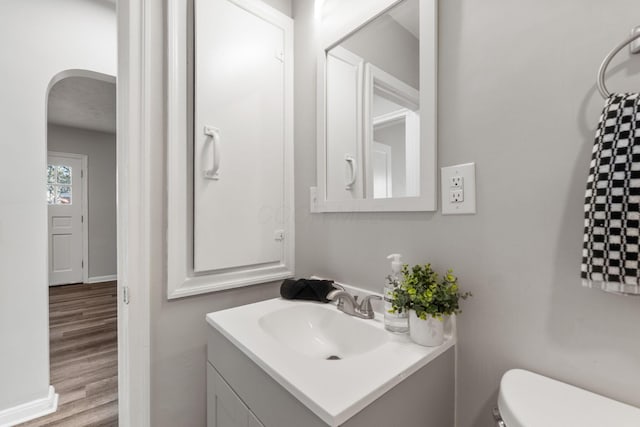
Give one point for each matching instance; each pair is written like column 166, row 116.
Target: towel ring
column 602, row 88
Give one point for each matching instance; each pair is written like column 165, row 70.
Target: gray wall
column 389, row 46
column 517, row 96
column 178, row 327
column 100, row 149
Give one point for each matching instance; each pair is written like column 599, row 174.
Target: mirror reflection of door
column 382, row 171
column 65, row 208
column 344, row 127
column 397, row 127
column 388, row 50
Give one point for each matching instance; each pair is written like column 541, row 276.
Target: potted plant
column 429, row 300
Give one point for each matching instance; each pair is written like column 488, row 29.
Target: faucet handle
column 338, row 286
column 365, row 306
column 340, row 302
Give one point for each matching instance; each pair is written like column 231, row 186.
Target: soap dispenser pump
column 394, row 322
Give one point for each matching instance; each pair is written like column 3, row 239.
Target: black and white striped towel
column 612, row 201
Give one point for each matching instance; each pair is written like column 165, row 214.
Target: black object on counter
column 306, row 289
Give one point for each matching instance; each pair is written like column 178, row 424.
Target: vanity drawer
column 224, row 407
column 268, row 400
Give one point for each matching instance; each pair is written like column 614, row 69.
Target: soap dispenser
column 394, row 322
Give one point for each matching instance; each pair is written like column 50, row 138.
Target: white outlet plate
column 450, row 176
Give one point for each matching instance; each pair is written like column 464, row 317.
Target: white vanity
column 282, row 363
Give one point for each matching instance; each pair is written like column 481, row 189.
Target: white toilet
column 531, row 400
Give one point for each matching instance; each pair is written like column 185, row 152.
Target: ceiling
column 84, row 103
column 407, row 14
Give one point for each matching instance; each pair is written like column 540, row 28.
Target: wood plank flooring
column 83, row 355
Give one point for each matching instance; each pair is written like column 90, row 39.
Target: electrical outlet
column 456, row 196
column 458, row 189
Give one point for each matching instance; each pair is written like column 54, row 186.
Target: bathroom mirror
column 377, row 111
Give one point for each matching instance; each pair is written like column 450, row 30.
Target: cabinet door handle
column 213, row 135
column 353, row 167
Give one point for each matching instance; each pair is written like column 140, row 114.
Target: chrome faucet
column 348, row 303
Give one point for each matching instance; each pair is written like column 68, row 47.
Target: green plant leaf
column 423, row 290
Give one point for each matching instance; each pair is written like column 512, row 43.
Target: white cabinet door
column 224, row 407
column 65, row 208
column 239, row 137
column 344, row 125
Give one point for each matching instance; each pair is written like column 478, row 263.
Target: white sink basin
column 322, row 332
column 292, row 341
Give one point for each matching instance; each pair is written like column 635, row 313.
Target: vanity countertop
column 334, row 390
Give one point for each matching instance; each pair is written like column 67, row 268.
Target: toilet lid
column 531, row 400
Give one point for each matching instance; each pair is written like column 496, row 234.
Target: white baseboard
column 30, row 410
column 98, row 279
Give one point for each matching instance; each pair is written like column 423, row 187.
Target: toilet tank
column 527, row 399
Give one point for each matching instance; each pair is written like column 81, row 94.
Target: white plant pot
column 429, row 333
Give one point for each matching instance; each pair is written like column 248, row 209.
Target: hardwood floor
column 83, row 355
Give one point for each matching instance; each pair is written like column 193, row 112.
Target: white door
column 382, row 172
column 239, row 137
column 65, row 201
column 344, row 120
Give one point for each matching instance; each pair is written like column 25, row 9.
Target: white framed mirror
column 377, row 136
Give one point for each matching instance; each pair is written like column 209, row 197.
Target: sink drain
column 334, row 357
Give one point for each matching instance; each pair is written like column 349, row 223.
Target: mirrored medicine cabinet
column 377, row 110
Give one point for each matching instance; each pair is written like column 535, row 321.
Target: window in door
column 59, row 187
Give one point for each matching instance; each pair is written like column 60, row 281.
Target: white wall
column 283, row 6
column 100, row 148
column 516, row 95
column 39, row 39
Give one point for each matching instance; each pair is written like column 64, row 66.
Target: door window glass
column 59, row 188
